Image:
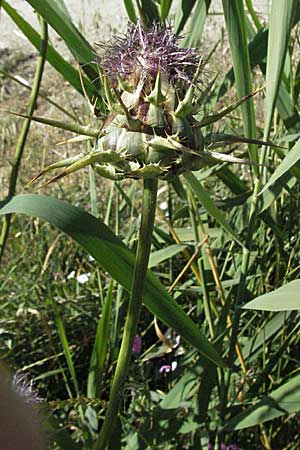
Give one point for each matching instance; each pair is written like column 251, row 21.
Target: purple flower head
column 141, row 53
column 137, row 344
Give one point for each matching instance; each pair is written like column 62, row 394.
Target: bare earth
column 97, row 19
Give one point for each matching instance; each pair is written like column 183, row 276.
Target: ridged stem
column 25, row 130
column 133, row 313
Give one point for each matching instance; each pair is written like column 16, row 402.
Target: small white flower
column 71, row 275
column 83, row 278
column 174, row 365
column 163, row 205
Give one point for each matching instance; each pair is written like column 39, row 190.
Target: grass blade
column 209, row 205
column 130, row 10
column 279, row 34
column 286, row 164
column 197, row 24
column 183, row 12
column 282, row 401
column 53, row 57
column 285, row 298
column 100, row 348
column 61, row 22
column 236, row 28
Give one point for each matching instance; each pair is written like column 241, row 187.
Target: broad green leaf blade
column 53, row 57
column 65, row 28
column 112, row 254
column 236, row 29
column 286, row 164
column 282, row 401
column 100, row 347
column 130, row 10
column 285, row 298
column 279, row 34
column 209, row 205
column 194, row 33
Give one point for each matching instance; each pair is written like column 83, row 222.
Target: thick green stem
column 133, row 313
column 25, row 130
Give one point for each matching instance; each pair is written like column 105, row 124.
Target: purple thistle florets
column 141, row 53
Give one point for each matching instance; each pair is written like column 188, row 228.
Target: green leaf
column 149, row 11
column 285, row 298
column 65, row 345
column 286, row 164
column 209, row 205
column 100, row 348
column 61, row 22
column 279, row 34
column 282, row 401
column 112, row 254
column 194, row 33
column 164, row 9
column 183, row 12
column 165, row 253
column 130, row 10
column 53, row 57
column 236, row 29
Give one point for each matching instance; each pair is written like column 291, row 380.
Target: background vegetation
column 225, row 235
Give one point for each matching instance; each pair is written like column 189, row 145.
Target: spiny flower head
column 141, row 53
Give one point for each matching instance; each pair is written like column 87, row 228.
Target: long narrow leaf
column 282, row 401
column 63, row 25
column 130, row 10
column 53, row 57
column 286, row 164
column 285, row 298
column 183, row 12
column 209, row 205
column 194, row 33
column 236, row 28
column 279, row 33
column 100, row 348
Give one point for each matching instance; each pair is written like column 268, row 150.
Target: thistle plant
column 154, row 93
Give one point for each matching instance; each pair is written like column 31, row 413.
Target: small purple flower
column 223, row 446
column 210, row 446
column 137, row 344
column 166, row 368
